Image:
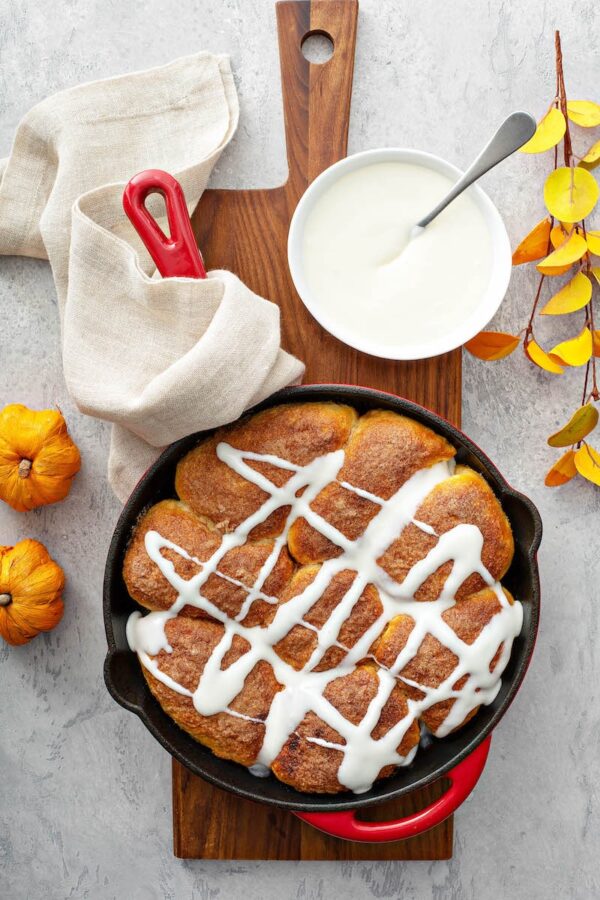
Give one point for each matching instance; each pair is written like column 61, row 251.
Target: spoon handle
column 512, row 134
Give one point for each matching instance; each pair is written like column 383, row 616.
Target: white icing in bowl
column 343, row 252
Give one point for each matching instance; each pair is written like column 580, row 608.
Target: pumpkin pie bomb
column 322, row 592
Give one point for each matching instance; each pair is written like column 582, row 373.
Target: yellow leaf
column 579, row 426
column 558, row 236
column 548, row 133
column 573, row 296
column 492, row 345
column 541, row 358
column 587, row 463
column 593, row 242
column 570, row 194
column 576, row 351
column 562, row 470
column 534, row 245
column 592, row 157
column 572, row 249
column 552, row 271
column 596, row 273
column 584, row 112
column 596, row 343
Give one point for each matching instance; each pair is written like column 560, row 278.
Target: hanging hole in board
column 317, row 47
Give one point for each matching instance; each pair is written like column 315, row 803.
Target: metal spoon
column 515, row 131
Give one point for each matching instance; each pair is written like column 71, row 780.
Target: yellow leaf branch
column 560, row 243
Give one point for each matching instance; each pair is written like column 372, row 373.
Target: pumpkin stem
column 24, row 468
column 5, row 599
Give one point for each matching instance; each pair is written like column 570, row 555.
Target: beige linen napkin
column 160, row 358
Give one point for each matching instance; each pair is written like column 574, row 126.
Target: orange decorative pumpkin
column 31, row 586
column 38, row 459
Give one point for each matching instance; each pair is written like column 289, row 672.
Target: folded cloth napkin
column 160, row 358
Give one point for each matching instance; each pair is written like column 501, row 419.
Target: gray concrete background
column 84, row 789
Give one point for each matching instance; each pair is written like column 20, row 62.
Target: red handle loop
column 177, row 255
column 345, row 825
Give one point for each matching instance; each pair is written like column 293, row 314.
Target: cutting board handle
column 316, row 97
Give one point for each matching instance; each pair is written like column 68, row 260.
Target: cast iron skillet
column 126, row 683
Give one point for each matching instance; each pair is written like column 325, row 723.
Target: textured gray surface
column 85, row 791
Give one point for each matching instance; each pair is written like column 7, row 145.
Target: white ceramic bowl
column 490, row 300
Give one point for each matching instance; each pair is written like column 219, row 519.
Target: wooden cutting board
column 246, row 231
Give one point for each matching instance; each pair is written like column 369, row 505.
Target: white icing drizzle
column 259, row 771
column 424, row 527
column 362, row 756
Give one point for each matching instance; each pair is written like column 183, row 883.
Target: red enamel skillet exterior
column 463, row 779
column 460, row 757
column 176, row 255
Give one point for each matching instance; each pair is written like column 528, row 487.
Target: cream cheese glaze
column 363, row 757
column 367, row 276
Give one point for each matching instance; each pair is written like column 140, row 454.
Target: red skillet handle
column 177, row 255
column 464, row 777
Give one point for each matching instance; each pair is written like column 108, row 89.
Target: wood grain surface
column 246, row 231
column 211, row 824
